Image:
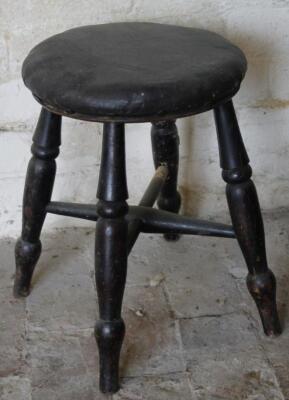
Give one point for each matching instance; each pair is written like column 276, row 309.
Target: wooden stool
column 138, row 72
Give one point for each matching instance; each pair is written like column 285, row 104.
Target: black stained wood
column 133, row 71
column 160, row 221
column 37, row 194
column 148, row 200
column 155, row 186
column 111, row 254
column 147, row 220
column 246, row 216
column 165, row 146
column 88, row 211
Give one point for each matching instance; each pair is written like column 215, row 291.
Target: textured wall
column 259, row 27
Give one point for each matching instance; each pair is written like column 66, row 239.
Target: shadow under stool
column 138, row 72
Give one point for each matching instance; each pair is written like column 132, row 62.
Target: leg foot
column 26, row 255
column 109, row 336
column 172, row 237
column 263, row 290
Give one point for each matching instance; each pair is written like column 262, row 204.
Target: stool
column 138, row 72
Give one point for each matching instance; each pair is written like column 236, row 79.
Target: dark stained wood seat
column 133, row 71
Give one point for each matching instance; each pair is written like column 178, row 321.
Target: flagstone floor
column 192, row 329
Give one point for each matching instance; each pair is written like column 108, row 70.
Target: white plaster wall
column 259, row 27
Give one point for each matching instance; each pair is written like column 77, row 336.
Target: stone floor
column 192, row 329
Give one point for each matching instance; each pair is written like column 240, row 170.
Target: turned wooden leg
column 246, row 215
column 111, row 254
column 37, row 194
column 165, row 146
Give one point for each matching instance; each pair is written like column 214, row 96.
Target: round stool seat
column 133, row 72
